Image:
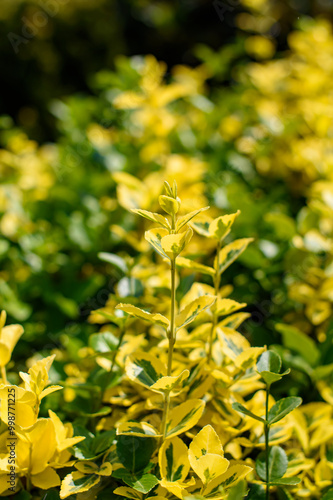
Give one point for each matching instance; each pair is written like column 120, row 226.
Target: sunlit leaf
column 220, row 227
column 194, row 266
column 174, row 244
column 231, row 252
column 154, row 237
column 144, row 369
column 188, row 217
column 184, row 417
column 140, row 429
column 233, row 475
column 158, row 319
column 191, row 310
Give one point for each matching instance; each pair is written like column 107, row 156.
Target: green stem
column 217, row 279
column 121, row 336
column 4, row 375
column 172, row 339
column 267, row 444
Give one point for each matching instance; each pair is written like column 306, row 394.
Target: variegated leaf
column 194, row 266
column 191, row 311
column 184, row 417
column 157, row 319
column 222, row 483
column 140, row 429
column 152, row 217
column 231, row 252
column 173, row 460
column 220, row 227
column 174, row 244
column 168, row 383
column 227, row 306
column 154, row 237
column 185, row 219
column 144, row 369
column 76, row 482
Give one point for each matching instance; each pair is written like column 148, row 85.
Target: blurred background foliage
column 239, row 112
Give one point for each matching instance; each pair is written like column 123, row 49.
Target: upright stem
column 121, row 336
column 267, row 444
column 4, row 375
column 217, row 289
column 171, row 338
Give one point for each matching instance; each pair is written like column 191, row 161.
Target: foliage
column 87, row 233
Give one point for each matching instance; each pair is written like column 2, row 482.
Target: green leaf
column 270, row 377
column 93, row 446
column 237, row 492
column 242, row 409
column 298, row 341
column 103, row 342
column 115, row 260
column 282, row 408
column 285, row 481
column 328, row 495
column 257, row 492
column 277, row 463
column 269, row 361
column 140, row 482
column 322, row 372
column 134, row 452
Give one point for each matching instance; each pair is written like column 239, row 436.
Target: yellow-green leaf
column 220, row 227
column 76, row 482
column 194, row 266
column 223, row 482
column 168, row 204
column 169, row 383
column 209, row 466
column 227, row 306
column 206, row 441
column 154, row 237
column 184, row 417
column 206, row 455
column 248, row 357
column 152, row 217
column 174, row 244
column 158, row 319
column 231, row 252
column 127, row 492
column 185, row 219
column 144, row 369
column 235, row 320
column 140, row 429
column 191, row 310
column 173, row 460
